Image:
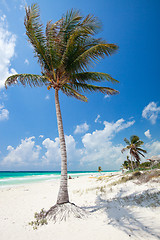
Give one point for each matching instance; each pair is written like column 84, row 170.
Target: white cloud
column 3, row 17
column 47, row 97
column 147, row 134
column 3, row 95
column 98, row 147
column 4, row 113
column 153, row 149
column 106, row 96
column 7, row 51
column 26, row 152
column 151, row 112
column 26, row 61
column 81, row 128
column 97, row 119
column 53, row 156
column 41, row 136
column 53, row 151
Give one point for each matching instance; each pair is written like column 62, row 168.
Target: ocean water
column 8, row 178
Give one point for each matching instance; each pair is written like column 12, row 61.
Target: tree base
column 61, row 212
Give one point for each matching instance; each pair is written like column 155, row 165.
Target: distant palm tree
column 65, row 51
column 134, row 147
column 127, row 163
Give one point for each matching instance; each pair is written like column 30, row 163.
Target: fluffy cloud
column 151, row 112
column 7, row 51
column 98, row 147
column 41, row 136
column 4, row 113
column 53, row 151
column 26, row 152
column 147, row 134
column 153, row 149
column 53, row 156
column 81, row 128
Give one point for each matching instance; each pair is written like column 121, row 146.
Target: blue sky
column 94, row 130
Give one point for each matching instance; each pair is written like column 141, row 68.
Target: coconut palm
column 127, row 163
column 134, row 147
column 65, row 52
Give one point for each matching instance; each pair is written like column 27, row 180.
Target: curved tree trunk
column 63, row 190
column 132, row 164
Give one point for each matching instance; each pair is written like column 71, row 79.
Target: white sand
column 120, row 212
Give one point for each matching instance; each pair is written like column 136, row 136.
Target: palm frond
column 53, row 43
column 141, row 150
column 69, row 22
column 124, row 149
column 69, row 91
column 93, row 54
column 34, row 31
column 93, row 77
column 134, row 139
column 91, row 24
column 92, row 88
column 32, row 80
column 141, row 154
column 139, row 143
column 127, row 141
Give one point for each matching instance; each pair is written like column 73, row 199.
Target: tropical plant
column 134, row 147
column 127, row 163
column 65, row 51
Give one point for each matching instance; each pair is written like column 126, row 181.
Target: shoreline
column 35, row 178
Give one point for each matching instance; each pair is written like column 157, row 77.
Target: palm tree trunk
column 132, row 163
column 63, row 190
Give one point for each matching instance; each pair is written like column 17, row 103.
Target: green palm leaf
column 127, row 141
column 134, row 139
column 69, row 91
column 142, row 150
column 32, row 80
column 94, row 53
column 139, row 143
column 92, row 88
column 124, row 149
column 140, row 153
column 34, row 31
column 93, row 77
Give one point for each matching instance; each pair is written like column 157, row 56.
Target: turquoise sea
column 10, row 178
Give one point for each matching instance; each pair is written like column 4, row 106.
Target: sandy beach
column 115, row 212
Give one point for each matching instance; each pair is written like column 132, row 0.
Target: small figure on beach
column 99, row 169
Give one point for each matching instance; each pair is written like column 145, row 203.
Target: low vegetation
column 40, row 219
column 141, row 176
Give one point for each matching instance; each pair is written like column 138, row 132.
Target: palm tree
column 65, row 52
column 127, row 163
column 134, row 145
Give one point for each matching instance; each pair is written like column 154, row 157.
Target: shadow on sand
column 120, row 213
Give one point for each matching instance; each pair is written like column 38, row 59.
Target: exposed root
column 60, row 212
